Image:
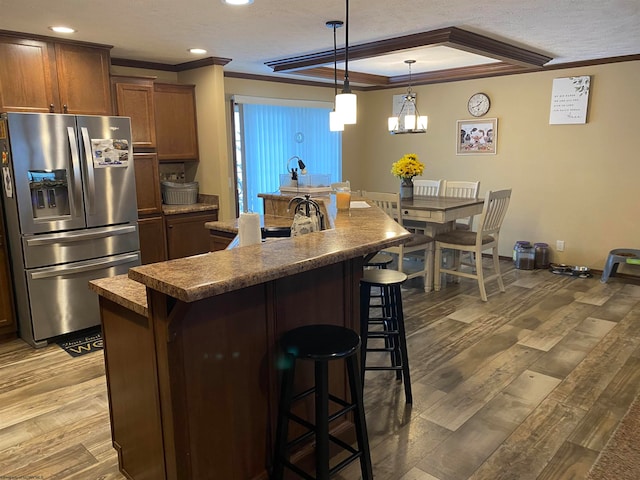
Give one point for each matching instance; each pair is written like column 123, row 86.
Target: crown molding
column 452, row 37
column 354, row 77
column 442, row 76
column 165, row 67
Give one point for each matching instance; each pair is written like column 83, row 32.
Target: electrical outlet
column 560, row 245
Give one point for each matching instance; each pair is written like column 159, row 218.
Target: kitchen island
column 192, row 372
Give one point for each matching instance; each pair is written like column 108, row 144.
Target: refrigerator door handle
column 75, row 198
column 95, row 265
column 88, row 170
column 81, row 236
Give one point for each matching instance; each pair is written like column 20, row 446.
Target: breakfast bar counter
column 193, row 385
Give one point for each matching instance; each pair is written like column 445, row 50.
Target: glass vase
column 406, row 188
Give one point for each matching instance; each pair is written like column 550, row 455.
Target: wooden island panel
column 201, row 378
column 198, row 377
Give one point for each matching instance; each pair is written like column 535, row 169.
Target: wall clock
column 478, row 104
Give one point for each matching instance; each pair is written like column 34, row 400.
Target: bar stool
column 391, row 321
column 321, row 344
column 380, row 260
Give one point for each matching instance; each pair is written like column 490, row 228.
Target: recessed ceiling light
column 197, row 51
column 62, row 29
column 237, row 2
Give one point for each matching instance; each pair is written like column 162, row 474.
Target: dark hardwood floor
column 529, row 385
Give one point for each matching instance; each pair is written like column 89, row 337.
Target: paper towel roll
column 249, row 229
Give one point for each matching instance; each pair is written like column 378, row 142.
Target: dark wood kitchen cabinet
column 133, row 97
column 8, row 326
column 151, row 223
column 147, row 184
column 176, row 125
column 186, row 234
column 39, row 75
column 153, row 247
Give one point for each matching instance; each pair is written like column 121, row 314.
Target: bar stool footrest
column 374, row 367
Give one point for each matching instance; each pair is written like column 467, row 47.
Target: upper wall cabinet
column 134, row 98
column 43, row 76
column 176, row 126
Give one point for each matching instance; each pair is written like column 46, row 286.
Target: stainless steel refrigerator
column 70, row 207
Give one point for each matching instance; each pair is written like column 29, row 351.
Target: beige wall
column 213, row 171
column 577, row 183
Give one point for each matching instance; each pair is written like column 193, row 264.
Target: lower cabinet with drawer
column 186, row 234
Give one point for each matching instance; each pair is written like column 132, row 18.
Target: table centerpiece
column 405, row 169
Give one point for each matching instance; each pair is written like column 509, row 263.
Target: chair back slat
column 432, row 188
column 493, row 212
column 460, row 189
column 387, row 202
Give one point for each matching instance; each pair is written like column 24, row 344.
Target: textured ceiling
column 162, row 30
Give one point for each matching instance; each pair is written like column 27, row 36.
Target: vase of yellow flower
column 406, row 188
column 405, row 169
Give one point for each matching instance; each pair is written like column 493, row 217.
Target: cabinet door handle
column 65, row 109
column 51, row 108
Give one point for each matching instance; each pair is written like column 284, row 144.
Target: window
column 268, row 135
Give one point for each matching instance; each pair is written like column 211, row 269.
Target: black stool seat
column 321, row 344
column 389, row 326
column 383, row 277
column 380, row 260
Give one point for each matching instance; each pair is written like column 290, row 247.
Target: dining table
column 433, row 215
column 437, row 214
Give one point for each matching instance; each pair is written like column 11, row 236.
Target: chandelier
column 409, row 119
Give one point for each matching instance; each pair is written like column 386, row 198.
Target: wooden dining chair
column 431, row 188
column 461, row 189
column 390, row 204
column 423, row 187
column 486, row 238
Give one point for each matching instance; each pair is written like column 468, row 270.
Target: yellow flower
column 408, row 166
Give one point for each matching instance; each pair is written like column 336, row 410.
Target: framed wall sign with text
column 569, row 100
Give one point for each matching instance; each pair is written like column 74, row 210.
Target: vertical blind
column 272, row 134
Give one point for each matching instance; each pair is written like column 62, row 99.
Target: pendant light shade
column 347, row 107
column 335, row 122
column 409, row 119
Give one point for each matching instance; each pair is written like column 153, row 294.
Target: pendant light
column 347, row 102
column 335, row 122
column 409, row 119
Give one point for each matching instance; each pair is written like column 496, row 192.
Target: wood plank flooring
column 529, row 385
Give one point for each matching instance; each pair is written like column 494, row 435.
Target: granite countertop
column 205, row 203
column 231, row 226
column 194, row 207
column 124, row 291
column 356, row 233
